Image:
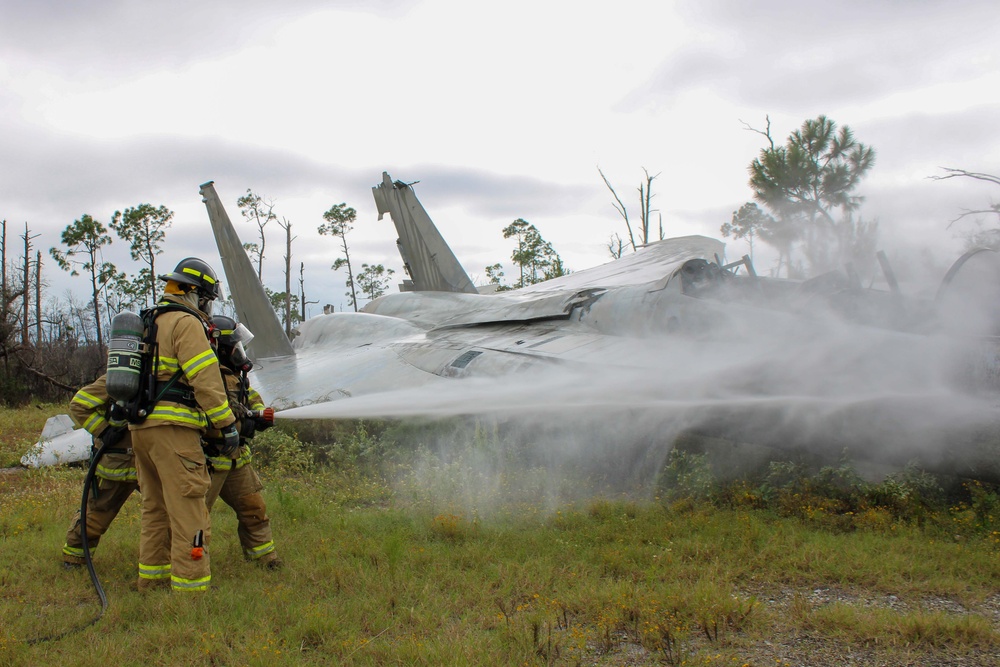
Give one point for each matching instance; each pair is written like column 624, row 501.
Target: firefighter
column 233, row 477
column 189, row 397
column 93, row 410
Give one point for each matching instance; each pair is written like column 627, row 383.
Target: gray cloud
column 787, row 55
column 129, row 35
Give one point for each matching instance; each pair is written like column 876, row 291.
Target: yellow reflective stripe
column 179, row 414
column 198, row 363
column 262, row 550
column 154, row 571
column 116, row 474
column 167, row 366
column 75, row 551
column 198, row 274
column 220, row 464
column 95, row 424
column 220, row 413
column 256, row 402
column 179, row 584
column 89, row 400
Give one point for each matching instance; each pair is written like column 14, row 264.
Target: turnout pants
column 175, row 532
column 102, row 508
column 241, row 489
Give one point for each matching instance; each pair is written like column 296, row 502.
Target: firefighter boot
column 144, row 585
column 73, row 562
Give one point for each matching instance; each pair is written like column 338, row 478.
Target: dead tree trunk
column 287, row 226
column 302, row 291
column 38, row 297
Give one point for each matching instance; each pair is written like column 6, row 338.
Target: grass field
column 398, row 564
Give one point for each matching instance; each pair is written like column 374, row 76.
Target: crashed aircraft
column 671, row 331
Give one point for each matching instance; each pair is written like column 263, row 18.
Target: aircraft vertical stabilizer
column 428, row 260
column 253, row 308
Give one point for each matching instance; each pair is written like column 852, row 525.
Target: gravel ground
column 796, row 648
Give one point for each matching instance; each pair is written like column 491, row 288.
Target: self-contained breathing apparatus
column 133, row 354
column 133, row 358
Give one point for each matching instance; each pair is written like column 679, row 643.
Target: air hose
column 87, row 484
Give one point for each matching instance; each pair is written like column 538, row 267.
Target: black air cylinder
column 124, row 356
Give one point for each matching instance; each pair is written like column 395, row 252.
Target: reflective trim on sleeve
column 179, row 584
column 167, row 366
column 88, row 400
column 198, row 363
column 222, row 464
column 154, row 571
column 256, row 402
column 220, row 414
column 95, row 424
column 262, row 550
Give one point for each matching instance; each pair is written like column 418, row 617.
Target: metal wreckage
column 672, row 336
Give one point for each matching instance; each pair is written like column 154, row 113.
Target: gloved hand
column 112, row 434
column 264, row 419
column 248, row 427
column 230, row 441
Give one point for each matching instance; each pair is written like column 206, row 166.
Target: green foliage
column 534, row 256
column 281, row 453
column 749, row 223
column 374, row 280
column 277, row 300
column 372, row 578
column 804, row 183
column 144, row 227
column 260, row 211
column 494, row 274
column 339, row 221
column 686, row 476
column 84, row 240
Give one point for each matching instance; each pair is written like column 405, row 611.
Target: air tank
column 125, row 356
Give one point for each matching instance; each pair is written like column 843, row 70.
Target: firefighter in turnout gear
column 233, row 477
column 93, row 410
column 190, row 398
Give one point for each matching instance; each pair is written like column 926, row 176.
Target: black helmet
column 196, row 273
column 232, row 338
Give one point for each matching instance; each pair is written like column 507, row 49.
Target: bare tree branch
column 620, row 207
column 765, row 133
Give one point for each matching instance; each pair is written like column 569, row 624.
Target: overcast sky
column 499, row 110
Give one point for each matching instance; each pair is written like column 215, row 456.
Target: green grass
column 442, row 566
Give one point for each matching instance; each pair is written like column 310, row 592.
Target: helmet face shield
column 241, row 335
column 238, row 355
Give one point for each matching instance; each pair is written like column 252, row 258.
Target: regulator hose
column 87, row 484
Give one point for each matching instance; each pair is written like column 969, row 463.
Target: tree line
column 805, row 205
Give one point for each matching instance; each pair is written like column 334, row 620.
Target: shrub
column 281, row 452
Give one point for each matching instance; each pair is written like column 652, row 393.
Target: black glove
column 263, row 419
column 230, row 441
column 248, row 427
column 112, row 435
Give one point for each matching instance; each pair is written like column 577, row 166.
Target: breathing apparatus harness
column 151, row 391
